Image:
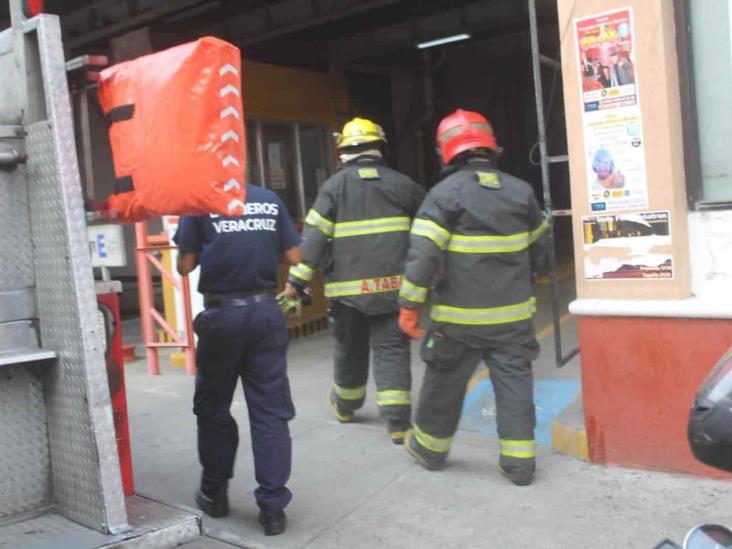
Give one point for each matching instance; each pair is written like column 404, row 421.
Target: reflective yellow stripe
column 372, row 226
column 431, row 230
column 303, row 272
column 412, row 292
column 376, row 285
column 316, row 220
column 489, row 180
column 356, row 393
column 495, row 244
column 434, row 444
column 536, row 233
column 368, row 173
column 489, row 316
column 518, row 448
column 451, row 133
column 393, row 398
column 488, row 244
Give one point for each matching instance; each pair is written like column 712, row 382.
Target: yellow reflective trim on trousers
column 412, row 292
column 536, row 233
column 518, row 448
column 482, row 317
column 431, row 230
column 364, row 286
column 393, row 398
column 372, row 226
column 356, row 393
column 434, row 444
column 488, row 244
column 318, row 221
column 303, row 272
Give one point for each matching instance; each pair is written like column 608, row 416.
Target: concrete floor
column 353, row 488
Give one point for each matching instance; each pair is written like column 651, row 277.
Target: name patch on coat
column 381, row 284
column 368, row 173
column 489, row 179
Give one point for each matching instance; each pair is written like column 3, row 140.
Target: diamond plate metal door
column 86, row 475
column 16, row 267
column 25, row 482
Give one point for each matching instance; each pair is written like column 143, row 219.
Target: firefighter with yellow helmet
column 358, row 232
column 474, row 244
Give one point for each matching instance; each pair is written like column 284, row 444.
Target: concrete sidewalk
column 353, row 488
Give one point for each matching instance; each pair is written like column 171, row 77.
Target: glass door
column 314, row 160
column 280, row 165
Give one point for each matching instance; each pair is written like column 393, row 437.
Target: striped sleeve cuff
column 413, row 293
column 301, row 273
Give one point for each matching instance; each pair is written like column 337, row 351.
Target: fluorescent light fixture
column 441, row 41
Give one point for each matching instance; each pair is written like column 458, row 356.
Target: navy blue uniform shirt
column 240, row 254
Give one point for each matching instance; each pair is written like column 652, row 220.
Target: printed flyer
column 629, row 246
column 612, row 124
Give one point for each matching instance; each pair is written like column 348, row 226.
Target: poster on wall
column 611, row 117
column 628, row 246
column 277, row 175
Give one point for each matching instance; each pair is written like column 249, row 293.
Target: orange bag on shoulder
column 177, row 131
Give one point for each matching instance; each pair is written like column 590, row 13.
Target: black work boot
column 520, row 477
column 341, row 415
column 212, row 498
column 397, row 430
column 274, row 522
column 429, row 460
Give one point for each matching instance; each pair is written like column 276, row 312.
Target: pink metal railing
column 147, row 247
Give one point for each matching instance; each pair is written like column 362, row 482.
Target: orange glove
column 409, row 322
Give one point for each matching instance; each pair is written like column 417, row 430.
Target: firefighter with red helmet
column 473, row 246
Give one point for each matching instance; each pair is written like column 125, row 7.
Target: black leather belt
column 244, row 299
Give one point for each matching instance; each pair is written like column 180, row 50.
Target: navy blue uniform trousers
column 248, row 342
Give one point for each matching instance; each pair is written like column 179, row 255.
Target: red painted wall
column 639, row 379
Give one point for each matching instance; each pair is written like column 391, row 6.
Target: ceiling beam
column 105, row 19
column 481, row 18
column 295, row 15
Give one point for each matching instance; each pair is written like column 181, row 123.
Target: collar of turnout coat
column 469, row 163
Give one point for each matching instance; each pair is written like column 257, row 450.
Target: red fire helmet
column 461, row 131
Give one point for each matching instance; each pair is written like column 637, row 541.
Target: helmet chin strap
column 349, row 157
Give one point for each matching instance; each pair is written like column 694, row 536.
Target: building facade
column 648, row 97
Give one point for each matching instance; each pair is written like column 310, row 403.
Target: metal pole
column 147, row 300
column 16, row 13
column 536, row 57
column 10, row 158
column 299, row 172
column 85, row 131
column 260, row 153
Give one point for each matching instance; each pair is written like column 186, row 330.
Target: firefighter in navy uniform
column 242, row 333
column 358, row 232
column 474, row 243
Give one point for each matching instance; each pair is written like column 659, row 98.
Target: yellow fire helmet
column 359, row 131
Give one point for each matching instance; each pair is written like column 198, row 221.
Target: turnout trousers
column 450, row 365
column 356, row 335
column 247, row 342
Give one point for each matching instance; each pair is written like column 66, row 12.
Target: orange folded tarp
column 177, row 131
